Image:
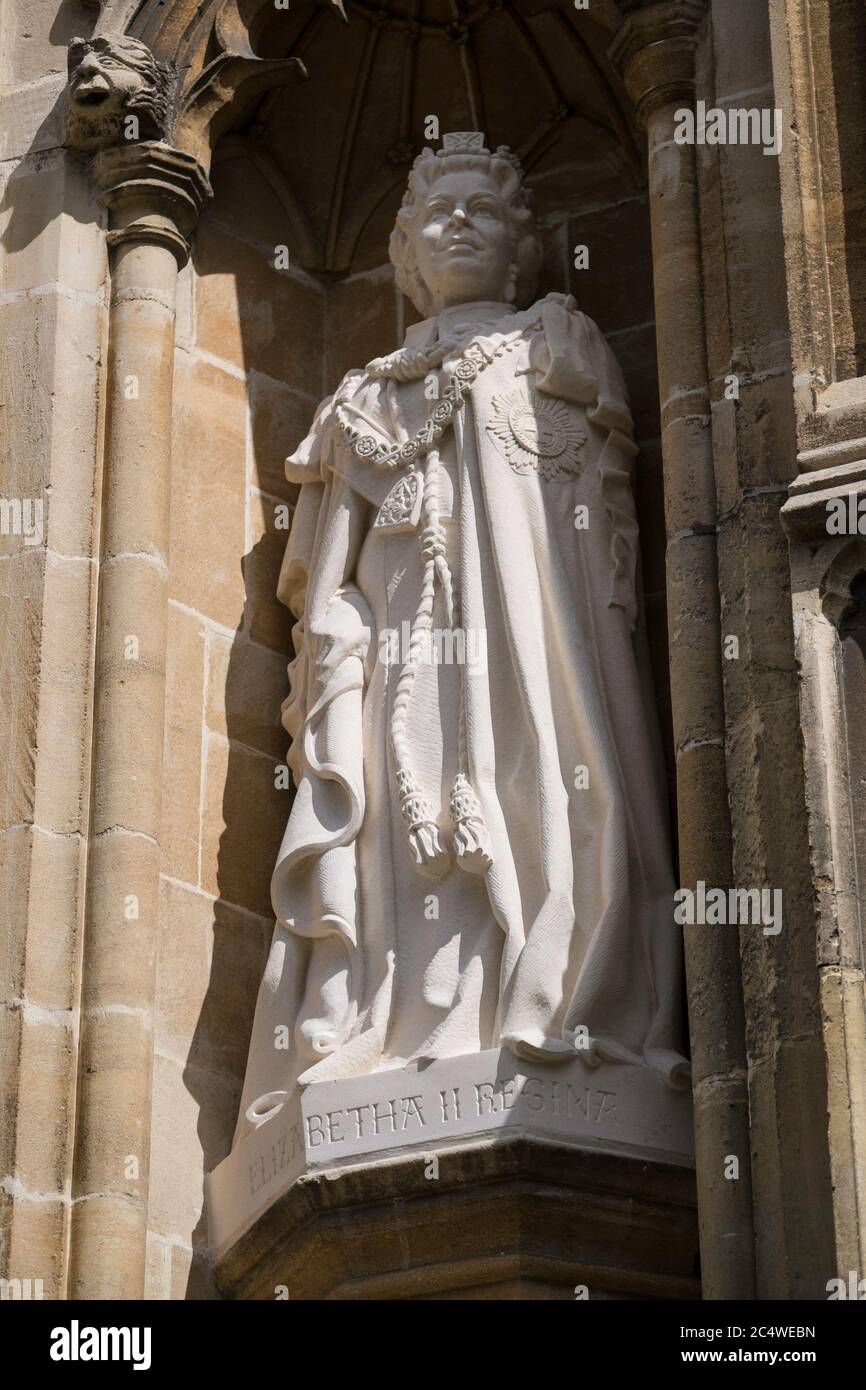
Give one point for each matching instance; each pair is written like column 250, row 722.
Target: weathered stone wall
column 754, row 447
column 816, row 49
column 51, row 346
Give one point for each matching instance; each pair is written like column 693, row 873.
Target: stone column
column 823, row 518
column 655, row 51
column 827, row 570
column 153, row 193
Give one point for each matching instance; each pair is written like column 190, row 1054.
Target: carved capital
column 154, row 193
column 117, row 92
column 654, row 52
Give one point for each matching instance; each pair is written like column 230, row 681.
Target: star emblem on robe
column 537, row 434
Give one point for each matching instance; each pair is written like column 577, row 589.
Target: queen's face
column 463, row 241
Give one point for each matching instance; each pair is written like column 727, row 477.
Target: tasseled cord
column 471, row 840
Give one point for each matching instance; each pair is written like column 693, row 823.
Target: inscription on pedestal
column 409, row 1116
column 284, row 1152
column 615, row 1108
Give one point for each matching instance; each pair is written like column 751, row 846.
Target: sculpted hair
column 504, row 171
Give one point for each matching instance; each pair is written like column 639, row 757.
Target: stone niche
column 546, row 1180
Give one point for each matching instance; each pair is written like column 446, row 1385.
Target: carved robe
column 567, row 940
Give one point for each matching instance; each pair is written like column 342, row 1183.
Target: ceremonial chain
column 461, row 379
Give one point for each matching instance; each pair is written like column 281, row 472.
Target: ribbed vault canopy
column 335, row 150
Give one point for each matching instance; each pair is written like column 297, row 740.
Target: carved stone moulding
column 806, row 511
column 514, row 1219
column 654, row 51
column 154, row 193
column 120, row 91
column 479, row 1170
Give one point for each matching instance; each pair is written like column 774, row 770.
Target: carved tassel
column 431, row 857
column 471, row 839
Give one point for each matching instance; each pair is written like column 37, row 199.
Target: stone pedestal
column 476, row 1177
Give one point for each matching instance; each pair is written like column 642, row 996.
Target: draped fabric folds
column 568, row 940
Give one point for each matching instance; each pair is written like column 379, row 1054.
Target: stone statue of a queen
column 477, row 854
